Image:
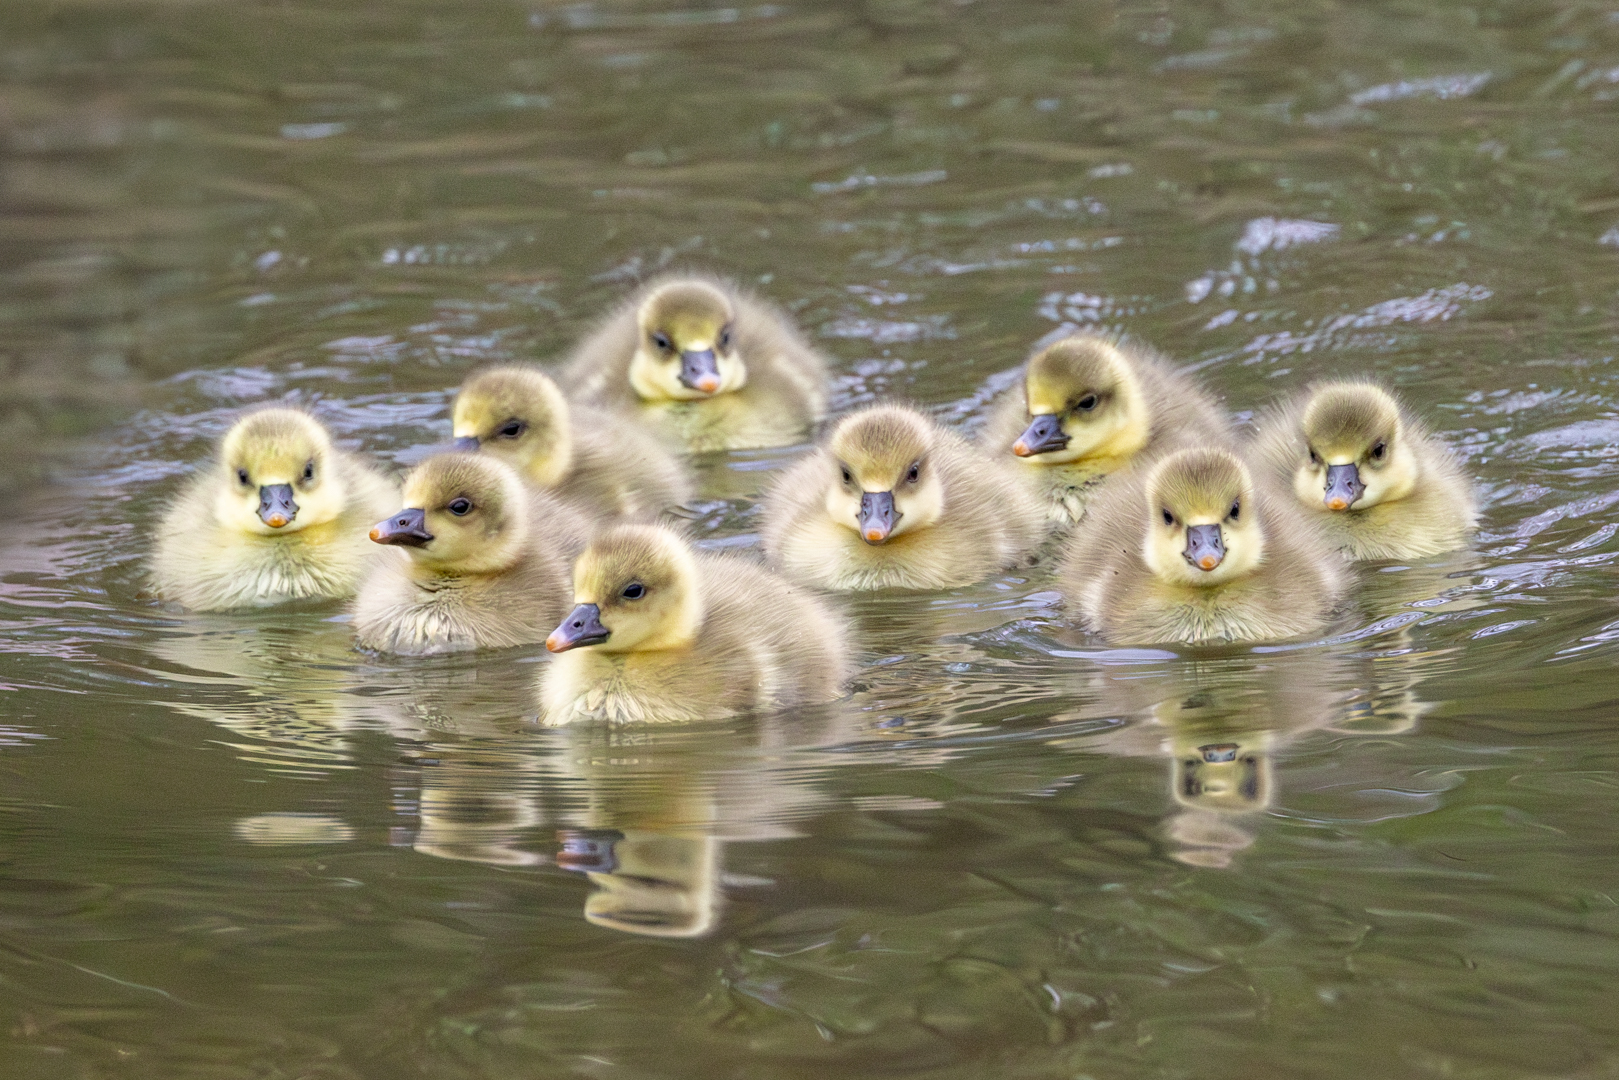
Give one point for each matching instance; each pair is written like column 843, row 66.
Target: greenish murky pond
column 233, row 847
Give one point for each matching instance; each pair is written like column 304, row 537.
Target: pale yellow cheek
column 919, row 509
column 733, row 374
column 843, row 508
column 1310, row 486
column 654, row 380
column 1393, row 482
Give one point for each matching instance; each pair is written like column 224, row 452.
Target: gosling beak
column 467, row 443
column 408, row 528
column 877, row 516
column 1043, row 435
column 588, row 851
column 276, row 508
column 1343, row 486
column 700, row 371
column 583, row 626
column 1205, row 547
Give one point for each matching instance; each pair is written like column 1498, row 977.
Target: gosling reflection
column 1224, row 722
column 650, row 883
column 478, row 806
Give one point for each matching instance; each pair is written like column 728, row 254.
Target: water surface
column 234, row 847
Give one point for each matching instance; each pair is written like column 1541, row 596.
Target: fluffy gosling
column 606, row 465
column 481, row 562
column 1379, row 483
column 712, row 366
column 279, row 515
column 893, row 500
column 1190, row 549
column 1089, row 405
column 660, row 634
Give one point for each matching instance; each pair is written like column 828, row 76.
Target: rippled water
column 233, row 847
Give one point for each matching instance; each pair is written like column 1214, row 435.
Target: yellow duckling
column 1381, row 485
column 713, row 366
column 600, row 462
column 484, row 563
column 660, row 633
column 280, row 515
column 1189, row 549
column 1089, row 406
column 893, row 500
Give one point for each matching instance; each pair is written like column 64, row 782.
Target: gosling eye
column 309, row 471
column 633, row 591
column 662, row 341
column 1169, row 519
column 1315, row 458
column 241, row 475
column 511, row 429
column 1236, row 508
column 1086, row 403
column 724, row 340
column 1380, row 451
column 914, row 472
column 848, row 477
column 460, row 507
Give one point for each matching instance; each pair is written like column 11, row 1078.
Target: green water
column 233, row 847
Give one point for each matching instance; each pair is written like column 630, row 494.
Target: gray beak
column 588, row 851
column 1043, row 435
column 1343, row 487
column 582, row 627
column 276, row 508
column 468, row 443
column 877, row 516
column 1205, row 547
column 408, row 528
column 700, row 371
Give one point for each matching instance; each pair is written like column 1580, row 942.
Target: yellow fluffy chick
column 1190, row 549
column 482, row 562
column 1379, row 483
column 1087, row 406
column 279, row 515
column 893, row 500
column 712, row 366
column 605, row 464
column 660, row 633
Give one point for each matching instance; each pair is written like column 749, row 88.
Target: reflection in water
column 652, row 883
column 1222, row 721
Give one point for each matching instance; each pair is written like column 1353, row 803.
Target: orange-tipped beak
column 1208, row 562
column 276, row 521
column 708, row 384
column 1338, row 503
column 1020, row 448
column 877, row 516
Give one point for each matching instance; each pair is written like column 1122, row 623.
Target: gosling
column 711, row 366
column 662, row 634
column 279, row 515
column 481, row 562
column 893, row 500
column 1089, row 406
column 1190, row 549
column 1379, row 483
column 604, row 464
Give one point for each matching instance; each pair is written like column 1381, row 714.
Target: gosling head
column 1225, row 776
column 1084, row 402
column 519, row 416
column 1202, row 529
column 635, row 590
column 463, row 514
column 1357, row 455
column 687, row 344
column 277, row 474
column 884, row 483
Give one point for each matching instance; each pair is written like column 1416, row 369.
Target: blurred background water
column 234, row 847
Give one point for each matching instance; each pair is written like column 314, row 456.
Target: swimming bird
column 893, row 500
column 607, row 465
column 1089, row 405
column 660, row 633
column 279, row 515
column 481, row 562
column 1192, row 549
column 712, row 366
column 1381, row 486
